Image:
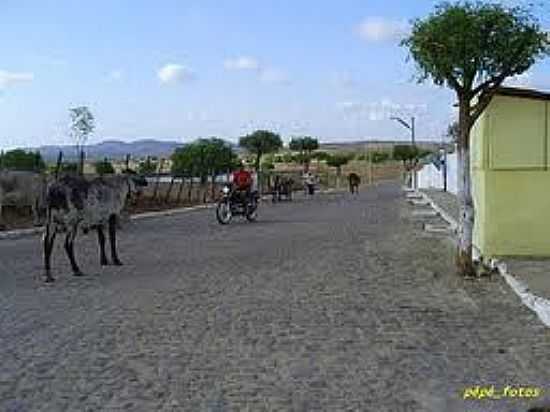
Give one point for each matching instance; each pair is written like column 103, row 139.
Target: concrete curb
column 170, row 212
column 537, row 304
column 19, row 233
column 448, row 218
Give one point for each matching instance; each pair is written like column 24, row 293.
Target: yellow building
column 510, row 175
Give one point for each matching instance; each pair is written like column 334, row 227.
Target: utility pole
column 411, row 127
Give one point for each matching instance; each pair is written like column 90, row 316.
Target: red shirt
column 242, row 179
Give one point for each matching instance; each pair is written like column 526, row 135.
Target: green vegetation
column 472, row 48
column 22, row 160
column 304, row 146
column 104, row 167
column 148, row 166
column 204, row 158
column 259, row 143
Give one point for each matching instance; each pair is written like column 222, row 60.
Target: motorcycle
column 230, row 205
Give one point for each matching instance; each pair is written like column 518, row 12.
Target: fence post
column 157, row 183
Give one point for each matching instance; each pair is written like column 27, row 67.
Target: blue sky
column 188, row 69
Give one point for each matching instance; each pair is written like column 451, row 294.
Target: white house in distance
column 430, row 177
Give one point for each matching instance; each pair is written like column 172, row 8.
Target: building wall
column 511, row 178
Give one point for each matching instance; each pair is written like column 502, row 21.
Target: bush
column 104, row 167
column 22, row 160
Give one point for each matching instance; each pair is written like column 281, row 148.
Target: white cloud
column 115, row 75
column 274, row 76
column 175, row 73
column 521, row 80
column 251, row 64
column 380, row 110
column 12, row 78
column 242, row 63
column 378, row 29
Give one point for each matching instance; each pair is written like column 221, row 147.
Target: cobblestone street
column 336, row 303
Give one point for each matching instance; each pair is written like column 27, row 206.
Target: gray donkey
column 75, row 202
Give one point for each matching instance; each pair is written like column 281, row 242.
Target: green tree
column 147, row 167
column 305, row 146
column 337, row 160
column 204, row 158
column 82, row 126
column 472, row 48
column 406, row 153
column 380, row 156
column 19, row 159
column 259, row 143
column 104, row 167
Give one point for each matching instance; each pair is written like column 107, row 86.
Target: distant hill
column 117, row 150
column 114, row 149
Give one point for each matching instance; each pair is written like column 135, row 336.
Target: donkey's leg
column 48, row 242
column 101, row 240
column 112, row 240
column 69, row 248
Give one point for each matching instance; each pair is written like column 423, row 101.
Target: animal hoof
column 78, row 273
column 117, row 263
column 49, row 279
column 104, row 263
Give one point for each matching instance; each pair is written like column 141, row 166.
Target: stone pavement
column 335, row 303
column 532, row 273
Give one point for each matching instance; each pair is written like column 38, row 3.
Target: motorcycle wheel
column 223, row 212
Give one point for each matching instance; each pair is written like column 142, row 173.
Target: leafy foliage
column 203, row 158
column 320, row 155
column 22, row 160
column 259, row 143
column 405, row 152
column 304, row 146
column 148, row 166
column 104, row 167
column 338, row 160
column 473, row 47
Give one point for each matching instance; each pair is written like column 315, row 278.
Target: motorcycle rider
column 242, row 182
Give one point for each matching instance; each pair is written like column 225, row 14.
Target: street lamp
column 409, row 126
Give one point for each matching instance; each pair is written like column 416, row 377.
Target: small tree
column 82, row 126
column 147, row 167
column 472, row 48
column 104, row 167
column 305, row 146
column 408, row 155
column 259, row 143
column 19, row 159
column 338, row 160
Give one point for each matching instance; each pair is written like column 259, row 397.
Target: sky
column 179, row 70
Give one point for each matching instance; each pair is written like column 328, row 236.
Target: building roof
column 525, row 93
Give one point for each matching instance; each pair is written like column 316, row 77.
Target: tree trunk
column 190, row 190
column 213, row 189
column 258, row 159
column 169, row 191
column 180, row 190
column 464, row 258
